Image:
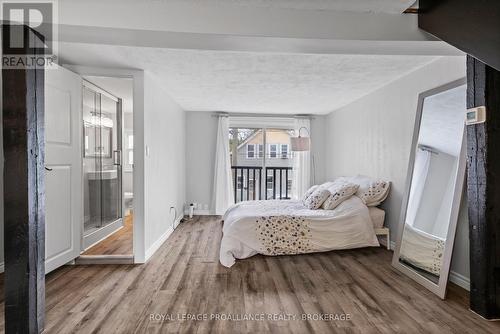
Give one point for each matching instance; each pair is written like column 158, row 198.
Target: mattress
column 377, row 215
column 285, row 227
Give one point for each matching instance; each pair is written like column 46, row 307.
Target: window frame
column 275, row 151
column 128, row 150
column 269, row 181
column 284, row 155
column 263, row 154
column 260, row 150
column 253, row 146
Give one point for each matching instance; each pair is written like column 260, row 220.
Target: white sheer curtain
column 420, row 171
column 301, row 175
column 223, row 186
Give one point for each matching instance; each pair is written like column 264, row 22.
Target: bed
column 284, row 227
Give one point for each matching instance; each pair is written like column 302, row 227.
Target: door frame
column 139, row 242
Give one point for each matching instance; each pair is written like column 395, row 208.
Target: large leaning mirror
column 434, row 187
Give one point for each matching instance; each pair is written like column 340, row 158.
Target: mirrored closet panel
column 434, row 187
column 101, row 163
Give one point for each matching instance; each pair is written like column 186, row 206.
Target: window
column 250, row 151
column 86, row 144
column 284, row 151
column 269, row 180
column 131, row 157
column 129, row 151
column 260, row 156
column 242, row 145
column 255, row 151
column 130, row 141
column 273, row 151
column 261, row 151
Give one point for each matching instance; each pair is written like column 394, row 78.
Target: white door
column 63, row 167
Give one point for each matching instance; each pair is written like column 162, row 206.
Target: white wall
column 164, row 166
column 201, row 139
column 201, row 131
column 318, row 148
column 373, row 135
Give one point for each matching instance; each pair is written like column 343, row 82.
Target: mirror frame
column 439, row 288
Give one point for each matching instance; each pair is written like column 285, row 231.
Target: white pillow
column 309, row 192
column 316, row 199
column 326, row 185
column 372, row 191
column 339, row 192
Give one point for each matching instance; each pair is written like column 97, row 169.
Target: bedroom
column 257, row 114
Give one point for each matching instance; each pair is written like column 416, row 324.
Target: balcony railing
column 255, row 183
column 278, row 182
column 247, row 183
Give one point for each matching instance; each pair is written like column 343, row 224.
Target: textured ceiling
column 253, row 82
column 375, row 6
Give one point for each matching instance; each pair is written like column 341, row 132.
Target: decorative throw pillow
column 372, row 192
column 338, row 193
column 316, row 199
column 309, row 192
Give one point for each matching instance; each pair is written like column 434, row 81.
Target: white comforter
column 277, row 227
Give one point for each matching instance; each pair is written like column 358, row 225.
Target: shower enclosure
column 102, row 165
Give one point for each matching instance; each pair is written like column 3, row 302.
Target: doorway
column 102, row 177
column 107, row 166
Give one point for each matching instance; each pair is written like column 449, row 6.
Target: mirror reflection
column 433, row 183
column 98, row 141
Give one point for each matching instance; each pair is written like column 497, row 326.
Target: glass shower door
column 92, row 162
column 111, row 185
column 102, row 161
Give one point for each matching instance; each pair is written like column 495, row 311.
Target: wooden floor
column 119, row 243
column 185, row 277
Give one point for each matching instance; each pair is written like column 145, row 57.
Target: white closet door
column 63, row 162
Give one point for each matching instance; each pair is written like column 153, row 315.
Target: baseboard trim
column 104, row 259
column 460, row 280
column 158, row 243
column 454, row 277
column 199, row 213
column 177, row 221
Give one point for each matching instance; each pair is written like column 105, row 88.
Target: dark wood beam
column 471, row 26
column 24, row 214
column 483, row 189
